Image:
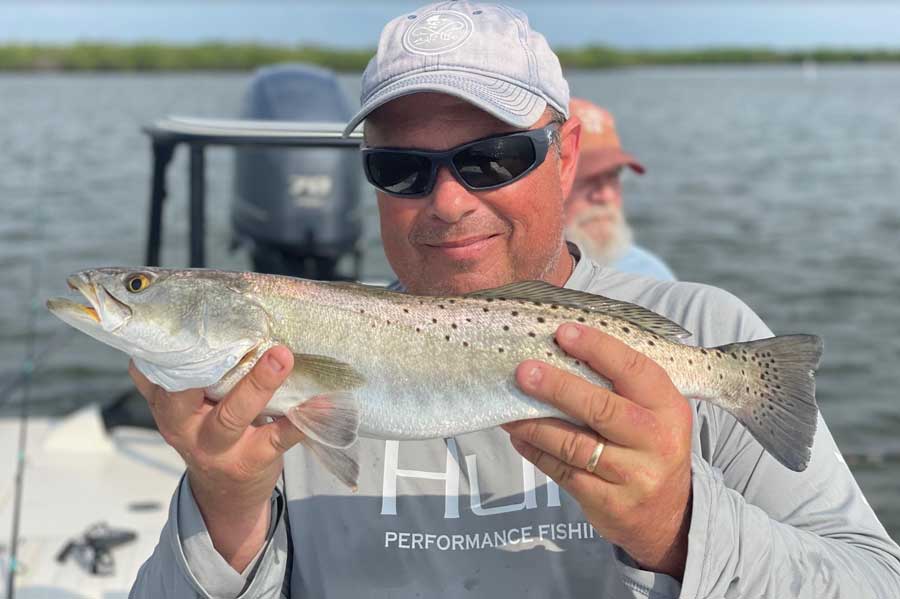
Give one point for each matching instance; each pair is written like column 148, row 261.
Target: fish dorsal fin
column 546, row 293
column 331, row 374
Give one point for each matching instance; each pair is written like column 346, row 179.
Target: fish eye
column 137, row 283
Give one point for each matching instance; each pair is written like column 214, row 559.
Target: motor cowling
column 297, row 208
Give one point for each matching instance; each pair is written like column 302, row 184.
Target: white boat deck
column 78, row 475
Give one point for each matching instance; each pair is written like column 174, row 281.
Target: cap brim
column 591, row 162
column 509, row 103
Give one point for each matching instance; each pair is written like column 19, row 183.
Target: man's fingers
column 612, row 416
column 243, row 404
column 568, row 443
column 632, row 374
column 271, row 440
column 577, row 481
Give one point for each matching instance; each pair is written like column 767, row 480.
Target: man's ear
column 570, row 146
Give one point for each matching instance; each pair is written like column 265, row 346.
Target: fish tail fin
column 776, row 397
column 330, row 422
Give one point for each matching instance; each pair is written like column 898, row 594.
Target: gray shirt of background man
column 472, row 517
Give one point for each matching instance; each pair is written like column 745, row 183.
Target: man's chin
column 454, row 282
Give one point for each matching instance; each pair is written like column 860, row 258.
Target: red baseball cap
column 601, row 149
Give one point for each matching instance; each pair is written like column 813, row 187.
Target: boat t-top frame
column 198, row 133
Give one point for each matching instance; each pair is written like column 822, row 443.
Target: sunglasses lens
column 399, row 173
column 495, row 161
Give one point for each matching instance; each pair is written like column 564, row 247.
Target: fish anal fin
column 331, row 419
column 343, row 463
column 546, row 293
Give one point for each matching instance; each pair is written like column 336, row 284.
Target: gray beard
column 602, row 251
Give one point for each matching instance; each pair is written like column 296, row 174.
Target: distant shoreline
column 244, row 57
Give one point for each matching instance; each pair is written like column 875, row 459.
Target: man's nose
column 449, row 200
column 605, row 194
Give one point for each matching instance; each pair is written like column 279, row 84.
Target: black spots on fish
column 468, row 320
column 691, row 362
column 531, row 334
column 555, row 342
column 418, row 330
column 626, row 330
column 500, row 350
column 441, row 306
column 447, row 337
column 721, row 376
column 704, row 352
column 671, row 358
column 515, row 313
column 434, row 321
column 538, row 304
column 748, row 389
column 406, row 310
column 453, row 301
column 549, row 354
column 744, row 358
column 373, row 325
column 465, row 344
column 554, row 307
column 709, row 366
column 490, row 299
column 577, row 362
column 453, row 326
column 541, row 319
column 720, row 354
column 506, row 327
column 389, row 322
column 585, row 310
column 651, row 344
column 582, row 319
column 485, row 309
column 361, row 311
column 735, row 356
column 743, row 373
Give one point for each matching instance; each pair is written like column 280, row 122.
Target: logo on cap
column 438, row 32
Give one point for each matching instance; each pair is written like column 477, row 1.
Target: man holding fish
column 638, row 490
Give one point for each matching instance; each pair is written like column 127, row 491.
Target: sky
column 650, row 24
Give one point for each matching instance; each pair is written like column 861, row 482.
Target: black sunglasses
column 478, row 165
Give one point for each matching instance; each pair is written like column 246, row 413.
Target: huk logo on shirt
column 451, row 476
column 438, row 32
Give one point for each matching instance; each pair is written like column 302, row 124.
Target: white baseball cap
column 485, row 54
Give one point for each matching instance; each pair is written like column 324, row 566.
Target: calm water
column 778, row 186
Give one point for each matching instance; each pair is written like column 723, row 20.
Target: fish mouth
column 92, row 312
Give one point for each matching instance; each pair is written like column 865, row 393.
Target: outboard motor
column 297, row 207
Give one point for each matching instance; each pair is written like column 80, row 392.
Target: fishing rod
column 26, row 378
column 59, row 340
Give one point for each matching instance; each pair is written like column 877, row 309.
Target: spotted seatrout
column 389, row 365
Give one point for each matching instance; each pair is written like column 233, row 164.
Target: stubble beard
column 476, row 277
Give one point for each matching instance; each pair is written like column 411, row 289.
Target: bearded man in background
column 595, row 219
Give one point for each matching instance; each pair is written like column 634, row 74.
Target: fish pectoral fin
column 342, row 463
column 327, row 372
column 331, row 419
column 541, row 291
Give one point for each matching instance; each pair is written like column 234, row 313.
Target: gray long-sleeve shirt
column 470, row 517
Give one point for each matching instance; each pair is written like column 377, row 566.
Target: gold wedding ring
column 595, row 457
